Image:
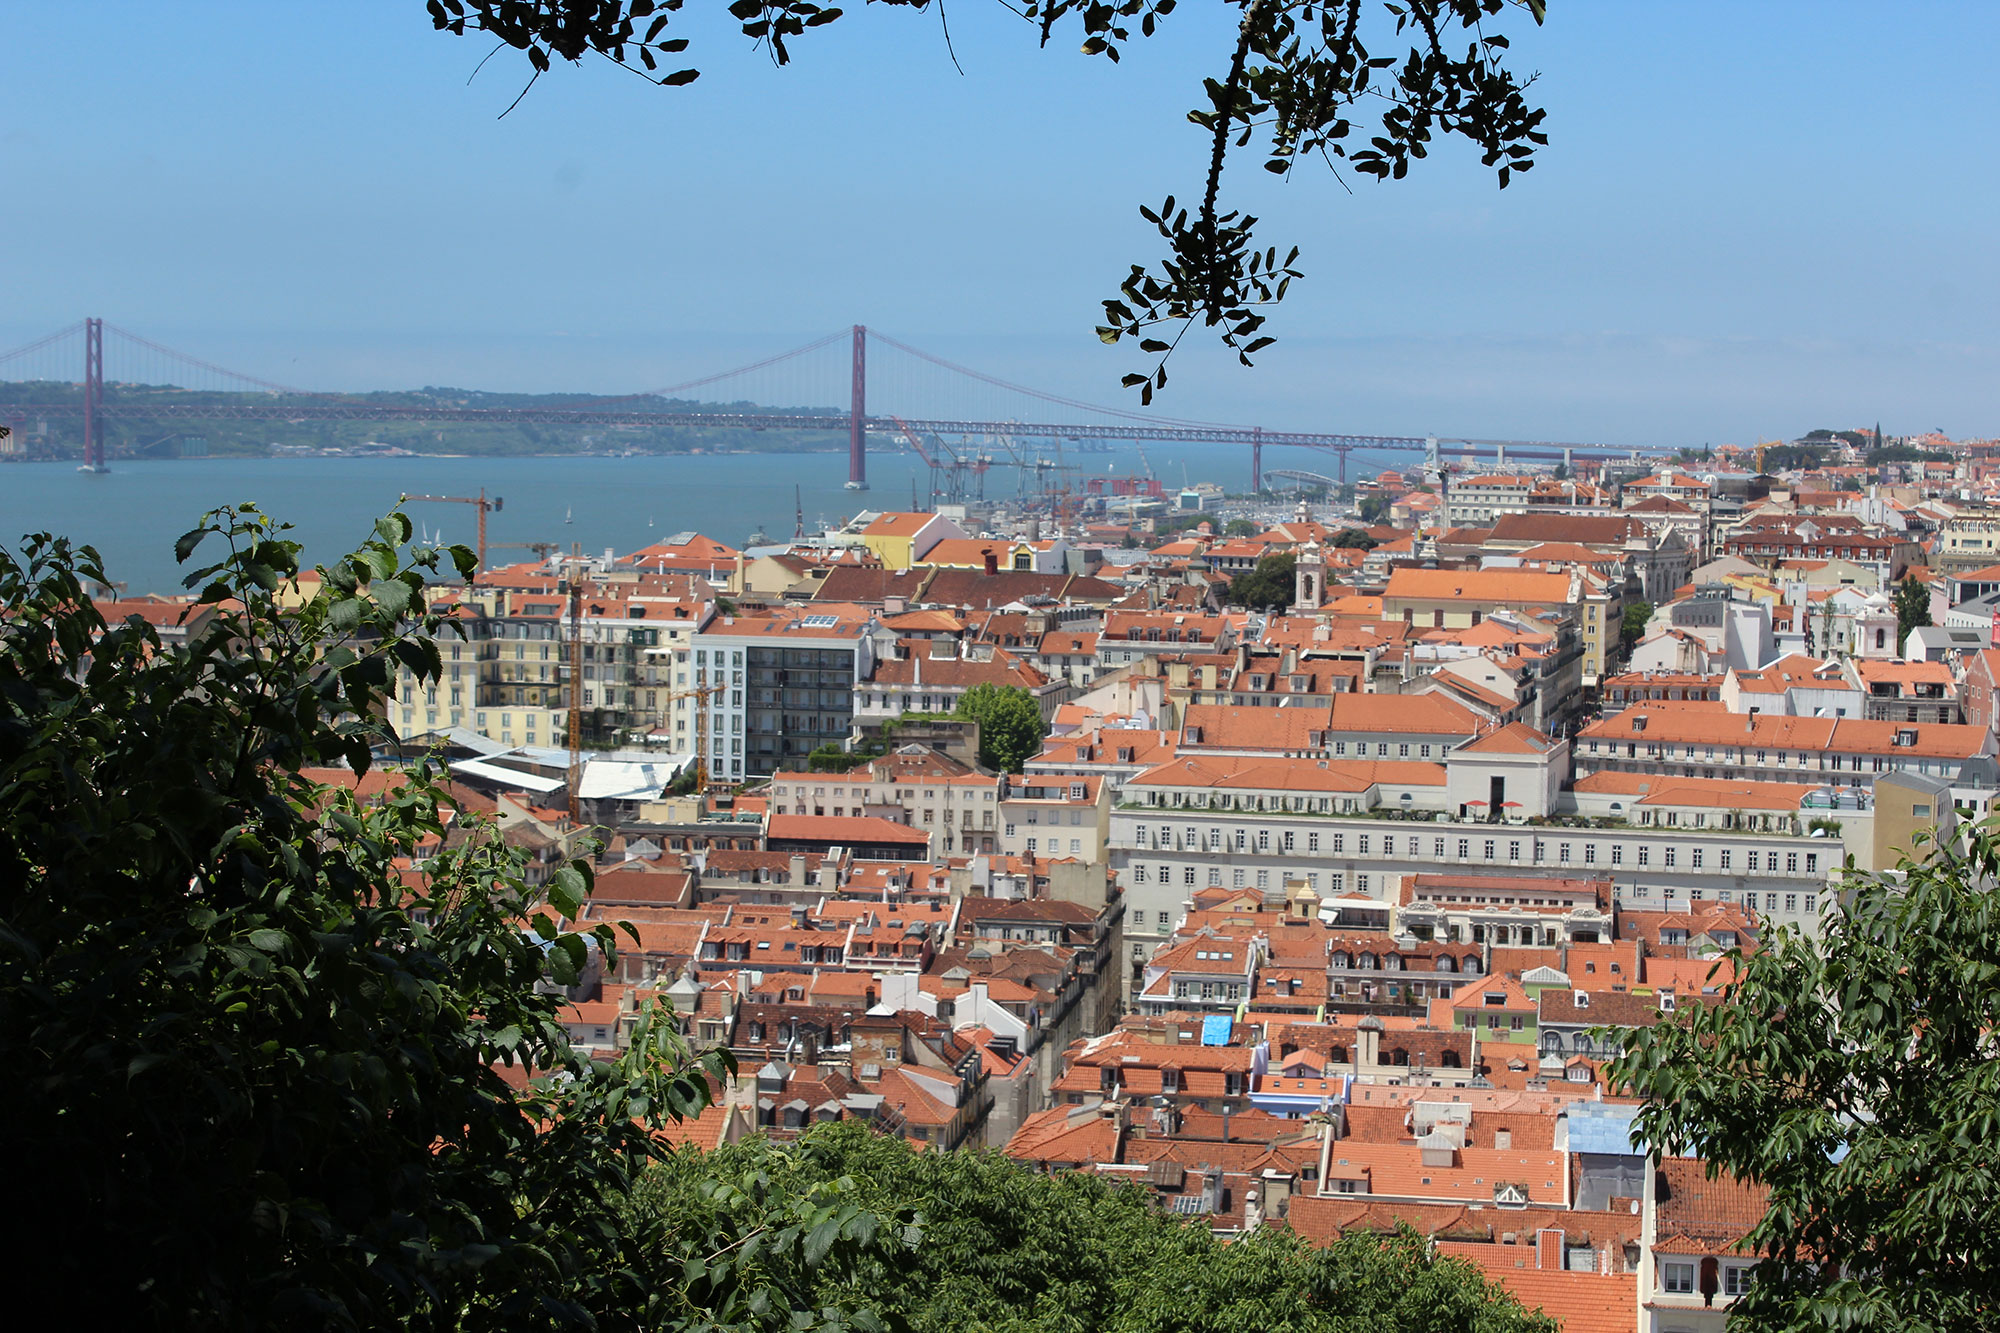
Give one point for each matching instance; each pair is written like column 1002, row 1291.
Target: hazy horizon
column 1746, row 224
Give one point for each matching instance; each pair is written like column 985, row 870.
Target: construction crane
column 700, row 694
column 572, row 584
column 485, row 506
column 542, row 550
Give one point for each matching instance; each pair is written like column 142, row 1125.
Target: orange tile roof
column 844, row 831
column 1486, row 587
column 1514, row 738
column 1578, row 1302
column 899, row 525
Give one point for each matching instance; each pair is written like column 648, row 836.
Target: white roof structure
column 630, row 780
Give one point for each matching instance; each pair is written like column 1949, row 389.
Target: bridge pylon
column 857, row 415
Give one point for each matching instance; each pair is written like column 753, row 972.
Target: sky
column 1751, row 219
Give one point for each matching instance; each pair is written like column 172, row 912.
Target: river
column 133, row 513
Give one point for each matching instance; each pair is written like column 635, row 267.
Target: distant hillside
column 172, row 437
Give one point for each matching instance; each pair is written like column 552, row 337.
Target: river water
column 133, row 513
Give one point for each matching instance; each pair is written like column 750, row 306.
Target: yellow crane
column 484, row 505
column 700, row 694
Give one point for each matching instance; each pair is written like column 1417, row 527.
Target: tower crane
column 485, row 506
column 700, row 694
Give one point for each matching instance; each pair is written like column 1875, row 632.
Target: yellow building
column 900, row 540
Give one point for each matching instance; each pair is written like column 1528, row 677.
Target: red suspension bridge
column 931, row 394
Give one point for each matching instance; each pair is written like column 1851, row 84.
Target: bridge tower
column 93, row 396
column 857, row 415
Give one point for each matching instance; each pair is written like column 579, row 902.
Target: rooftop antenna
column 798, row 514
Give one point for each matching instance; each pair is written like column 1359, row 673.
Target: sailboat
column 567, row 515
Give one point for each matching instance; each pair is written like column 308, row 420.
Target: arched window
column 1878, row 636
column 1552, row 1041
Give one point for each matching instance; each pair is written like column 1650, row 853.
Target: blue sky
column 1751, row 219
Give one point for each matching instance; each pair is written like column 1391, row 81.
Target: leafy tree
column 1913, row 608
column 1855, row 1077
column 1353, row 539
column 1368, row 85
column 1633, row 627
column 1268, row 587
column 1010, row 724
column 1372, row 507
column 1905, row 453
column 1000, row 1247
column 251, row 1052
column 1239, row 527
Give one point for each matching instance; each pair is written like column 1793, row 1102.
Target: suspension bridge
column 931, row 395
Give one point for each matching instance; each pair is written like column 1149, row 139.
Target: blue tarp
column 1602, row 1127
column 1215, row 1029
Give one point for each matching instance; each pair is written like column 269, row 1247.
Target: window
column 1736, row 1279
column 1618, row 855
column 1187, row 876
column 1677, row 1278
column 1670, row 857
column 1694, row 857
column 1644, row 856
column 1562, row 853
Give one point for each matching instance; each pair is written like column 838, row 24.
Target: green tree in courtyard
column 250, row 1050
column 999, row 1247
column 1353, row 539
column 1239, row 527
column 1856, row 1076
column 1632, row 627
column 1268, row 587
column 1913, row 608
column 1010, row 724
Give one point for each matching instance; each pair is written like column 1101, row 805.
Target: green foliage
column 1632, row 628
column 830, row 758
column 1369, row 86
column 1792, row 457
column 965, row 1241
column 1010, row 724
column 1353, row 539
column 1268, row 587
column 1905, row 453
column 251, row 1056
column 1239, row 527
column 1913, row 608
column 1372, row 507
column 1855, row 1077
